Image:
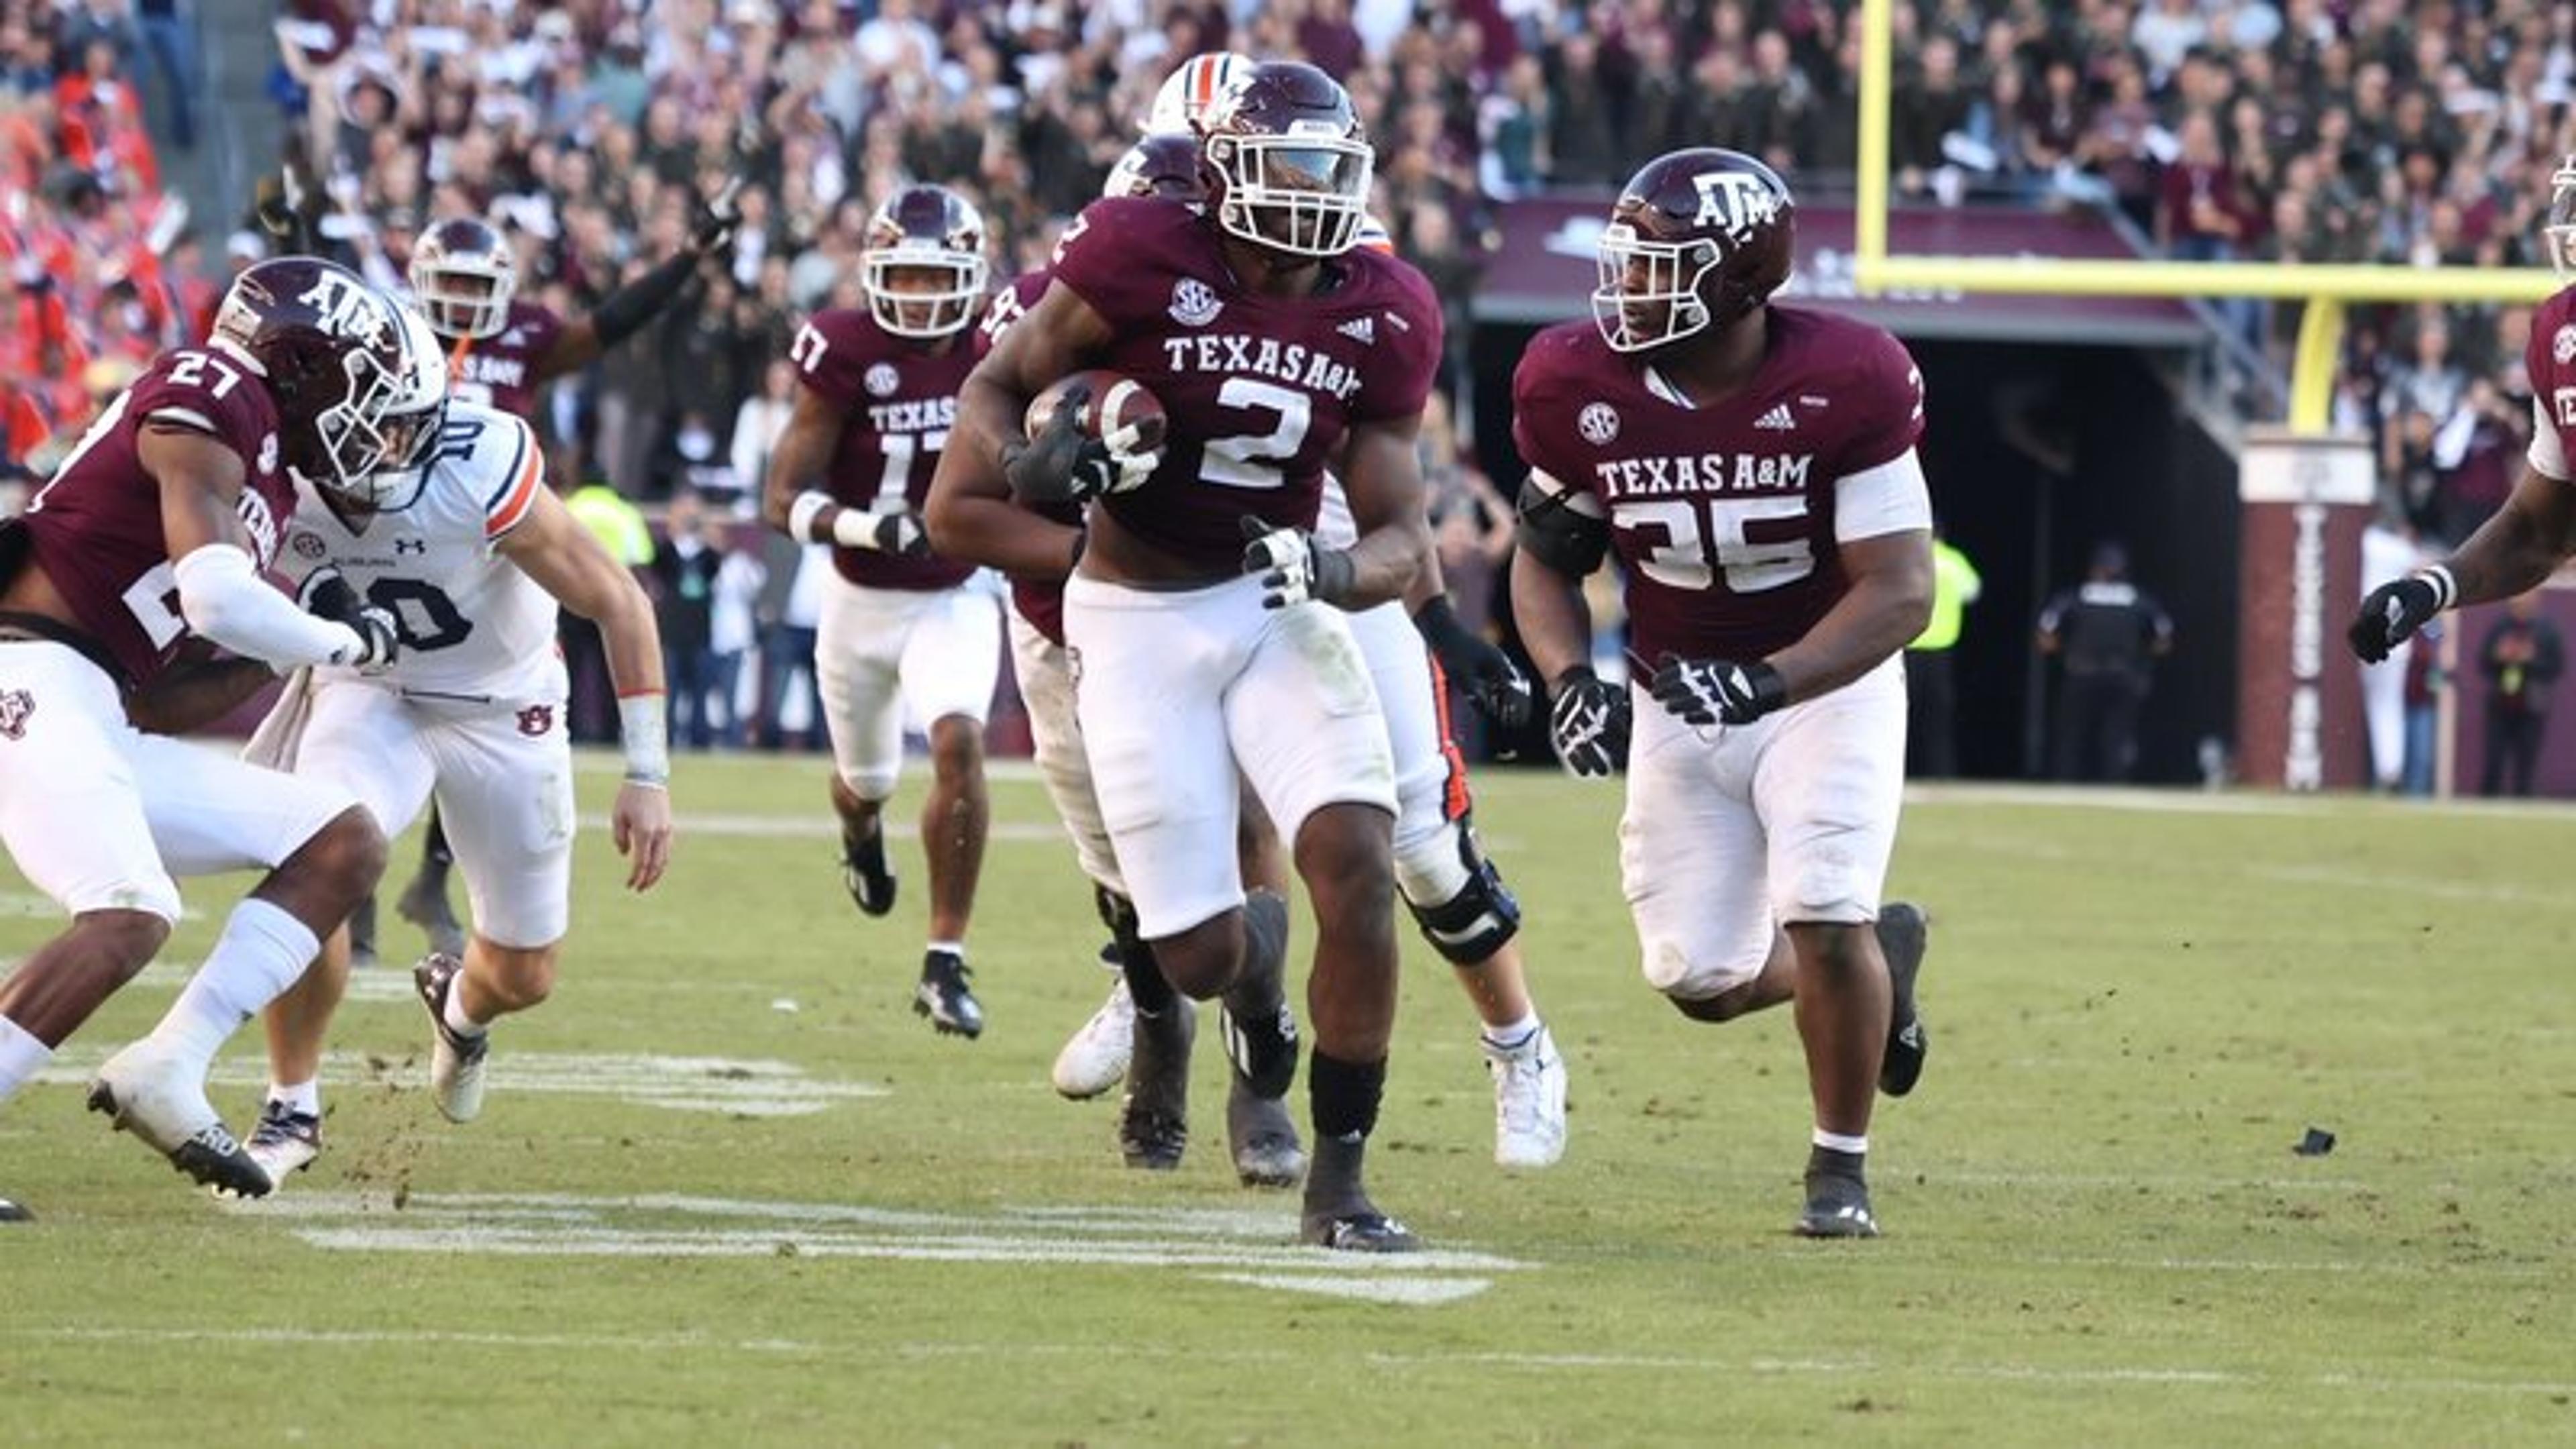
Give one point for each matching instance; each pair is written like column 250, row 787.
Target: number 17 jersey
column 473, row 627
column 897, row 404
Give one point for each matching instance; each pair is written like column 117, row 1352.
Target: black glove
column 326, row 594
column 380, row 639
column 711, row 230
column 1063, row 465
column 1590, row 723
column 1493, row 683
column 1293, row 567
column 1719, row 691
column 901, row 535
column 2392, row 613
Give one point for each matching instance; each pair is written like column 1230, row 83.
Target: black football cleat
column 1361, row 1230
column 1837, row 1198
column 1154, row 1125
column 1262, row 1137
column 1902, row 932
column 148, row 1093
column 945, row 998
column 865, row 874
column 12, row 1212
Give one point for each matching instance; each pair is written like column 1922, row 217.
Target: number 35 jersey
column 1727, row 519
column 472, row 625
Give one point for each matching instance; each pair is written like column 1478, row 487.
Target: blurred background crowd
column 2312, row 130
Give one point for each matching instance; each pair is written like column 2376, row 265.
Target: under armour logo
column 410, row 545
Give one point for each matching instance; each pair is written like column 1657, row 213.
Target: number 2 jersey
column 473, row 627
column 897, row 403
column 96, row 527
column 1727, row 519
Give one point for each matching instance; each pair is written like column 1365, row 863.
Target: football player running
column 145, row 548
column 1456, row 896
column 902, row 627
column 1153, row 1127
column 1754, row 467
column 2527, row 539
column 466, row 547
column 1200, row 657
column 502, row 352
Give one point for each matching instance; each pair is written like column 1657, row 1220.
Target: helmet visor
column 1305, row 195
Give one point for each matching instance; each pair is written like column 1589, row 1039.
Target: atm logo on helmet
column 346, row 308
column 1734, row 202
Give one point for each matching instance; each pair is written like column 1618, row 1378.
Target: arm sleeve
column 2547, row 454
column 1890, row 498
column 223, row 599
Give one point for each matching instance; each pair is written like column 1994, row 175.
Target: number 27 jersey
column 472, row 625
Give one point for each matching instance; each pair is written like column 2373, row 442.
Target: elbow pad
column 224, row 600
column 1558, row 533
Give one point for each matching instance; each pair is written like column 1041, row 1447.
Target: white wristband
column 2446, row 589
column 643, row 728
column 802, row 513
column 855, row 529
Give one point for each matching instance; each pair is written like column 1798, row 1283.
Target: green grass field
column 729, row 1189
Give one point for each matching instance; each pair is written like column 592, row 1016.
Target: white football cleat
column 152, row 1094
column 1529, row 1101
column 285, row 1141
column 455, row 1060
column 1095, row 1058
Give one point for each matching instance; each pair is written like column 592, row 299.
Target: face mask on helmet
column 1304, row 192
column 2560, row 231
column 464, row 279
column 1650, row 291
column 378, row 441
column 916, row 290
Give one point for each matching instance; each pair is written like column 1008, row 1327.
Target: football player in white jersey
column 1455, row 894
column 472, row 554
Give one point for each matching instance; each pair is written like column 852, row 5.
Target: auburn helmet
column 1161, row 165
column 2560, row 231
column 924, row 234
column 1287, row 166
column 1188, row 94
column 464, row 275
column 1697, row 239
column 349, row 379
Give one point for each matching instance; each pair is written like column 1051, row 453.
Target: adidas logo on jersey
column 1361, row 330
column 1778, row 420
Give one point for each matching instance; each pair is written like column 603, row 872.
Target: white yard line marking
column 2112, row 1374
column 680, row 1084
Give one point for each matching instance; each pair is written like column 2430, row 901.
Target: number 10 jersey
column 473, row 627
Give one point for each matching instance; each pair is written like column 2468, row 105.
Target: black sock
column 1260, row 989
column 1344, row 1096
column 1146, row 985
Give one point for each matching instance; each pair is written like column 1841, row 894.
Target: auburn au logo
column 536, row 719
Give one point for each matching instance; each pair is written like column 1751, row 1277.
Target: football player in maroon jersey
column 146, row 546
column 902, row 629
column 2527, row 539
column 1753, row 465
column 1274, row 346
column 503, row 351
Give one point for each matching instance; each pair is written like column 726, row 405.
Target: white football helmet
column 381, row 439
column 1188, row 94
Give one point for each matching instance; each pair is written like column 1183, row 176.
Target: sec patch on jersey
column 1105, row 404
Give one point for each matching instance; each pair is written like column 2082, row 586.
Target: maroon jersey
column 96, row 527
column 2549, row 360
column 1040, row 601
column 500, row 371
column 1723, row 516
column 897, row 404
column 1260, row 391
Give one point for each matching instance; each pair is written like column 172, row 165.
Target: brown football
column 1110, row 401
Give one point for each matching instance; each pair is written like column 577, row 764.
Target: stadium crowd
column 2312, row 130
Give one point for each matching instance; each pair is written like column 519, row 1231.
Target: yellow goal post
column 2325, row 289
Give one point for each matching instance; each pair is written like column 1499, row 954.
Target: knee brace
column 1478, row 917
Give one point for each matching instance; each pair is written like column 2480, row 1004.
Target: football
column 1110, row 401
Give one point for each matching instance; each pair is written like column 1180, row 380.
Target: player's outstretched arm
column 1382, row 476
column 2514, row 551
column 221, row 594
column 971, row 514
column 562, row 558
column 624, row 312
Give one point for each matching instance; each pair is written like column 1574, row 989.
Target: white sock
column 1512, row 1036
column 953, row 948
column 304, row 1097
column 21, row 1057
column 259, row 955
column 1837, row 1142
column 454, row 1013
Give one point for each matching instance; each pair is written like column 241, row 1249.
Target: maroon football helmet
column 1165, row 165
column 464, row 275
column 1287, row 167
column 1697, row 239
column 924, row 235
column 352, row 386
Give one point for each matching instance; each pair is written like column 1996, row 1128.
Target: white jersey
column 472, row 625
